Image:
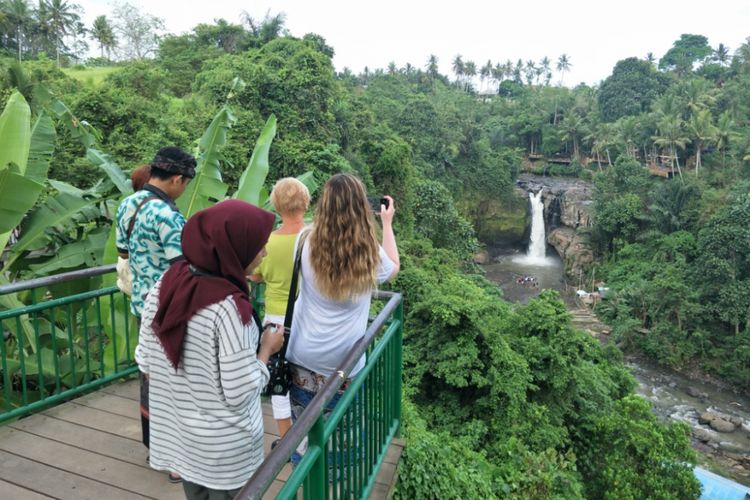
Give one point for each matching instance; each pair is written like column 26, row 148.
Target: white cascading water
column 536, row 255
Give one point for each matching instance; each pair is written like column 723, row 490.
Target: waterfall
column 536, row 255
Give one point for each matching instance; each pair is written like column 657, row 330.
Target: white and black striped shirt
column 206, row 418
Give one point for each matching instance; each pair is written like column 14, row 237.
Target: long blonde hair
column 344, row 250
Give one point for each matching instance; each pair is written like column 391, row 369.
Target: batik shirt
column 155, row 241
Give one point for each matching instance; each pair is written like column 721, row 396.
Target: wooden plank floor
column 90, row 448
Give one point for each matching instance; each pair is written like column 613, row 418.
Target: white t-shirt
column 324, row 330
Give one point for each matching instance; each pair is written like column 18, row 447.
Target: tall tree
column 138, row 31
column 61, row 17
column 19, row 15
column 458, row 68
column 685, row 52
column 470, row 70
column 702, row 131
column 432, row 66
column 721, row 54
column 104, row 34
column 671, row 135
column 563, row 66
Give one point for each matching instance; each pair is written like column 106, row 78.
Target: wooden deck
column 90, row 448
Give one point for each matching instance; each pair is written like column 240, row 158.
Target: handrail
column 56, row 279
column 59, row 348
column 261, row 480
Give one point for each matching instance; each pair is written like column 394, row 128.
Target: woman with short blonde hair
column 291, row 199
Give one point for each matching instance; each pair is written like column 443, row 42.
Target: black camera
column 375, row 203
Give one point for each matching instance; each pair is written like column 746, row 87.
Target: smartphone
column 375, row 203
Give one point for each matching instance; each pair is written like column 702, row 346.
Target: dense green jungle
column 500, row 400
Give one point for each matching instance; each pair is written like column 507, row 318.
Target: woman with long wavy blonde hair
column 342, row 263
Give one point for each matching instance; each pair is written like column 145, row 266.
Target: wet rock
column 673, row 385
column 721, row 425
column 702, row 435
column 482, row 257
column 731, row 450
column 696, row 393
column 706, row 418
column 737, row 421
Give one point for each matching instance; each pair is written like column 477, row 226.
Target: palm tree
column 530, row 72
column 721, row 54
column 18, row 15
column 498, row 73
column 671, row 135
column 725, row 134
column 432, row 66
column 627, row 133
column 392, row 68
column 103, row 33
column 697, row 95
column 470, row 70
column 545, row 67
column 573, row 128
column 563, row 65
column 702, row 130
column 485, row 72
column 651, row 58
column 458, row 68
column 61, row 17
column 270, row 28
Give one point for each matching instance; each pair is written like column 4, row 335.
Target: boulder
column 721, row 425
column 706, row 418
column 703, row 435
column 482, row 257
column 696, row 393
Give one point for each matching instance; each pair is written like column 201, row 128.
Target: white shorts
column 279, row 404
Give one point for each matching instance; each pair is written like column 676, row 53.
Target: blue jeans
column 300, row 398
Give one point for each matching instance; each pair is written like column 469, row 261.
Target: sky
column 595, row 34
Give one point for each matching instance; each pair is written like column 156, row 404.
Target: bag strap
column 293, row 292
column 131, row 225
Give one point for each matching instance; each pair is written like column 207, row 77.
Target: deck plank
column 128, row 477
column 57, row 483
column 97, row 419
column 10, row 490
column 85, row 438
column 91, row 448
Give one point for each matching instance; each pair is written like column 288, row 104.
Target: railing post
column 318, row 473
column 398, row 361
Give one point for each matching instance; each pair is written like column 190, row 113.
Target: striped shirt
column 206, row 418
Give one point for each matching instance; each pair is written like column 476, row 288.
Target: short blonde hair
column 289, row 196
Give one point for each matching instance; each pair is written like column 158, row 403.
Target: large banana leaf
column 10, row 301
column 56, row 211
column 113, row 171
column 254, row 176
column 79, row 129
column 15, row 133
column 18, row 195
column 42, row 146
column 88, row 251
column 207, row 187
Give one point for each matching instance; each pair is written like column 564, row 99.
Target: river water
column 522, row 274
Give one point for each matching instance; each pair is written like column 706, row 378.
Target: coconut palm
column 432, row 66
column 670, row 135
column 486, row 72
column 470, row 70
column 725, row 134
column 563, row 66
column 627, row 133
column 530, row 72
column 544, row 65
column 458, row 67
column 61, row 17
column 392, row 68
column 721, row 54
column 18, row 15
column 702, row 131
column 104, row 34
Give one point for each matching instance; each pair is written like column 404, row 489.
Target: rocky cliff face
column 567, row 209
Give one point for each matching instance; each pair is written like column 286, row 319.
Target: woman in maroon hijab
column 198, row 344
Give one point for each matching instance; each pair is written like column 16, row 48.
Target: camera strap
column 293, row 292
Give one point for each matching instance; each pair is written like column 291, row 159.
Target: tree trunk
column 609, row 159
column 18, row 41
column 698, row 147
column 677, row 160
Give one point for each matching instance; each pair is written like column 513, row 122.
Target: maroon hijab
column 218, row 244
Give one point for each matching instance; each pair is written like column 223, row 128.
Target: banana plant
column 18, row 191
column 207, row 187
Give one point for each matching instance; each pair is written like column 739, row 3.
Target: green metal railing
column 346, row 447
column 62, row 335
